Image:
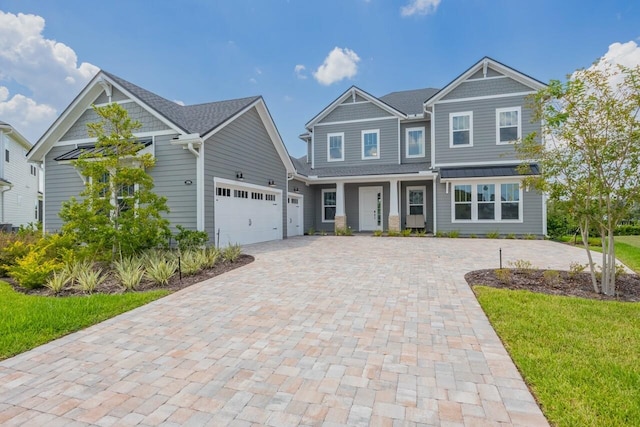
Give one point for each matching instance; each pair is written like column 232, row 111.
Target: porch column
column 394, row 214
column 340, row 218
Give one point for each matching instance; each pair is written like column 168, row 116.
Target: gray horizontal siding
column 480, row 74
column 309, row 208
column 486, row 87
column 427, row 137
column 429, row 202
column 136, row 112
column 353, row 143
column 532, row 216
column 60, row 184
column 317, row 201
column 243, row 146
column 350, row 111
column 484, row 130
column 116, row 96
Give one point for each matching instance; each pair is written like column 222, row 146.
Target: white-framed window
column 508, row 125
column 370, row 144
column 328, row 205
column 461, row 129
column 416, row 198
column 335, row 147
column 481, row 201
column 414, row 142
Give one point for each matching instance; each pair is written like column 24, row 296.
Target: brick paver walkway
column 317, row 331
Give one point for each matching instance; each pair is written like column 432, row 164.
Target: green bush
column 441, row 234
column 393, row 233
column 312, row 231
column 190, row 262
column 627, row 230
column 421, row 232
column 454, row 234
column 503, row 274
column 493, row 235
column 129, row 272
column 345, row 231
column 160, row 270
column 231, row 253
column 551, row 277
column 190, row 239
column 57, row 282
column 87, row 278
column 406, row 232
column 377, row 233
column 32, row 270
column 510, row 236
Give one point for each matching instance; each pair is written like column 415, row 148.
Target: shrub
column 510, row 236
column 576, row 268
column 377, row 233
column 57, row 282
column 620, row 270
column 393, row 233
column 406, row 232
column 161, row 270
column 87, row 278
column 344, row 231
column 521, row 265
column 627, row 230
column 503, row 274
column 129, row 272
column 211, row 256
column 311, row 231
column 529, row 236
column 190, row 263
column 231, row 253
column 551, row 277
column 190, row 239
column 421, row 232
column 473, row 235
column 493, row 235
column 454, row 234
column 32, row 270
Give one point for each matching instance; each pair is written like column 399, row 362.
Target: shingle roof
column 486, row 171
column 199, row 118
column 304, row 168
column 409, row 101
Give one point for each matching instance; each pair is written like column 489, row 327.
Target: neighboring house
column 221, row 165
column 440, row 160
column 18, row 181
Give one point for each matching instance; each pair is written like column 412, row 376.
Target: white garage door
column 247, row 214
column 295, row 226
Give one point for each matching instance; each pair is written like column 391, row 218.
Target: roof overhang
column 15, row 135
column 482, row 64
column 352, row 91
column 483, row 172
column 313, row 179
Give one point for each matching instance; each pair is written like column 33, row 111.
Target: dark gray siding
column 484, row 130
column 532, row 216
column 429, row 202
column 62, row 181
column 350, row 111
column 174, row 166
column 427, row 141
column 353, row 142
column 486, row 87
column 136, row 112
column 245, row 146
column 116, row 95
column 309, row 200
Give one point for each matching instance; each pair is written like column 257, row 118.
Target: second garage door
column 247, row 214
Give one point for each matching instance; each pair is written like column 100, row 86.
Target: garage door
column 247, row 214
column 295, row 225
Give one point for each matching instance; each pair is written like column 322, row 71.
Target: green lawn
column 580, row 357
column 29, row 321
column 627, row 249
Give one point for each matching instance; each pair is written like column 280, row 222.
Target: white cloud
column 45, row 67
column 177, row 101
column 300, row 71
column 627, row 54
column 253, row 81
column 420, row 7
column 288, row 98
column 338, row 65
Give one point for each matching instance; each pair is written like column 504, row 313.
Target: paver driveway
column 318, row 330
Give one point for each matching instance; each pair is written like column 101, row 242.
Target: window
column 370, row 144
column 126, row 197
column 270, row 197
column 462, row 201
column 414, row 140
column 461, row 129
column 33, row 170
column 328, row 205
column 6, row 155
column 508, row 125
column 487, row 202
column 223, row 191
column 415, row 200
column 335, row 147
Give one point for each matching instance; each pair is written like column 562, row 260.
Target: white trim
column 362, row 134
column 406, row 142
column 233, row 183
column 497, row 202
column 461, row 114
column 313, row 149
column 497, row 162
column 104, row 104
column 399, row 143
column 435, row 198
column 433, row 137
column 92, row 140
column 373, row 119
column 300, row 198
column 427, row 175
column 484, row 97
column 488, row 179
column 486, row 78
column 354, row 103
column 424, row 199
column 519, row 131
column 328, row 190
column 329, row 136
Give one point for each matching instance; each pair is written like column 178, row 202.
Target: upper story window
column 461, row 129
column 370, row 144
column 508, row 125
column 335, row 147
column 414, row 139
column 33, row 170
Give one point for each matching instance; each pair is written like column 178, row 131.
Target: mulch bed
column 111, row 286
column 575, row 285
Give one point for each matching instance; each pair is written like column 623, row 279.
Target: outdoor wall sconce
column 188, row 182
column 239, row 176
column 296, row 190
column 272, row 183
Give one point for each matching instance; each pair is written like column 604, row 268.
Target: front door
column 370, row 208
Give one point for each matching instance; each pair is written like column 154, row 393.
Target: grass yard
column 627, row 249
column 579, row 356
column 29, row 321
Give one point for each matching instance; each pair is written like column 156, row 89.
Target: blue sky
column 196, row 51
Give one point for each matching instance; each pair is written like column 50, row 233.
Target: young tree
column 118, row 213
column 590, row 155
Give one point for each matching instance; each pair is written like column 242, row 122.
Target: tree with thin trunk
column 590, row 153
column 117, row 213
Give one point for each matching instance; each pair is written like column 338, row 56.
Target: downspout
column 433, row 155
column 189, row 143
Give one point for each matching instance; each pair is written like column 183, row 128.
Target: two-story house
column 440, row 160
column 19, row 197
